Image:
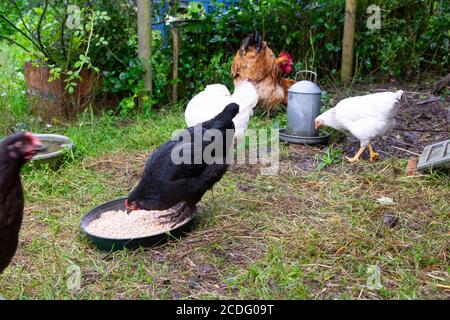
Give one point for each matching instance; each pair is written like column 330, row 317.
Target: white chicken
column 211, row 101
column 366, row 117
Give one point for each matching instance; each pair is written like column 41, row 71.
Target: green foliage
column 12, row 97
column 329, row 157
column 72, row 37
column 413, row 39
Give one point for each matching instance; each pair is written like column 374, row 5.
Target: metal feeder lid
column 305, row 86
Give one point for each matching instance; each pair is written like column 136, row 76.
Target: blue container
column 209, row 5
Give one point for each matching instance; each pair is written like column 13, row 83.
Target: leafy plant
column 330, row 156
column 70, row 38
column 12, row 98
column 413, row 40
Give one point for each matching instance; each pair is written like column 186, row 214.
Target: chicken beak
column 128, row 207
column 36, row 144
column 39, row 147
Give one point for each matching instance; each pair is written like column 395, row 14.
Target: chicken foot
column 357, row 155
column 373, row 154
column 178, row 217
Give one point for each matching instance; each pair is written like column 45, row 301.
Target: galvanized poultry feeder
column 303, row 107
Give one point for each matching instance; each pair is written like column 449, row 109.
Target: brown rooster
column 256, row 62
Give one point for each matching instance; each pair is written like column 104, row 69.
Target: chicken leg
column 373, row 154
column 357, row 155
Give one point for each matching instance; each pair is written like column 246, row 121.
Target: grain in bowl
column 117, row 224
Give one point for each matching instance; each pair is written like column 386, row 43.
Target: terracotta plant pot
column 50, row 101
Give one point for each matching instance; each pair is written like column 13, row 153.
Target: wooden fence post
column 145, row 39
column 176, row 55
column 348, row 41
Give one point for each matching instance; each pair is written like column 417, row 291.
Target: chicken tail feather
column 254, row 39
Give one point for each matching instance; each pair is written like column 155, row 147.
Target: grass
column 12, row 98
column 310, row 232
column 296, row 235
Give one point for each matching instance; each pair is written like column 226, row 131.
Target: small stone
column 204, row 269
column 390, row 220
column 386, row 201
column 194, row 282
column 159, row 257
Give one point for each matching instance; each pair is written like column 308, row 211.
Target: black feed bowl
column 111, row 244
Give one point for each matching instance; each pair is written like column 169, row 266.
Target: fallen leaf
column 386, row 201
column 411, row 167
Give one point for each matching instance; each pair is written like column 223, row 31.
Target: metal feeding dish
column 56, row 144
column 435, row 155
column 322, row 138
column 114, row 244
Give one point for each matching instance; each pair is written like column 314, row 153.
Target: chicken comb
column 287, row 55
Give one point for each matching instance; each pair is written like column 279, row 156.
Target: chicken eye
column 15, row 146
